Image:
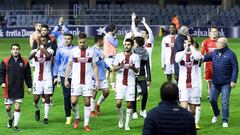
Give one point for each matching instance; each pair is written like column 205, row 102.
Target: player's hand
column 131, row 66
column 143, row 20
column 66, row 84
column 3, row 85
column 148, row 83
column 29, row 91
column 133, row 16
column 121, row 65
column 233, row 84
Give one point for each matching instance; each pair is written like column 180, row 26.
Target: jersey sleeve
column 116, row 60
column 137, row 61
column 203, row 50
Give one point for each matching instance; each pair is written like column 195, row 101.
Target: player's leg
column 134, row 103
column 184, row 98
column 67, row 100
column 143, row 85
column 103, row 96
column 129, row 97
column 17, row 113
column 75, row 108
column 8, row 104
column 87, row 111
column 120, row 90
column 48, row 91
column 37, row 92
column 92, row 100
column 87, row 94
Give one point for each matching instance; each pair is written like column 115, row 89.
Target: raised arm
column 150, row 33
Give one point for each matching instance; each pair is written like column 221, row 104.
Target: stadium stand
column 193, row 15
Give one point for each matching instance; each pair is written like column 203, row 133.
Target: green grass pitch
column 107, row 123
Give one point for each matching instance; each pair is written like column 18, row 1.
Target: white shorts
column 102, row 84
column 10, row 101
column 169, row 69
column 109, row 62
column 43, row 87
column 123, row 91
column 192, row 95
column 81, row 90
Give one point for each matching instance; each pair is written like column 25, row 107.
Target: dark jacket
column 225, row 66
column 169, row 119
column 178, row 46
column 144, row 64
column 13, row 75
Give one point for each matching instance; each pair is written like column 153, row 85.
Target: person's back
column 169, row 118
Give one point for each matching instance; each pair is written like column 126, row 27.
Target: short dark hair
column 82, row 35
column 97, row 38
column 139, row 40
column 129, row 40
column 111, row 27
column 70, row 35
column 45, row 26
column 15, row 44
column 213, row 27
column 145, row 30
column 173, row 24
column 169, row 91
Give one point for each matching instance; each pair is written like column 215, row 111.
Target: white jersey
column 125, row 75
column 167, row 50
column 82, row 65
column 189, row 69
column 42, row 65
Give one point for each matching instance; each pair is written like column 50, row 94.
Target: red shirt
column 208, row 46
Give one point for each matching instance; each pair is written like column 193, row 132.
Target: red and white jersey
column 189, row 69
column 167, row 50
column 82, row 65
column 42, row 65
column 125, row 75
column 208, row 46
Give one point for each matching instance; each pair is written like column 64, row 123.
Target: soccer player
column 35, row 36
column 42, row 77
column 167, row 52
column 143, row 78
column 103, row 82
column 14, row 70
column 83, row 65
column 60, row 65
column 208, row 46
column 190, row 82
column 147, row 34
column 126, row 64
column 109, row 50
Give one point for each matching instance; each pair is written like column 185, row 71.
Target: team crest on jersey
column 41, row 60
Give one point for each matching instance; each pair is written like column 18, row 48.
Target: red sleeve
column 203, row 50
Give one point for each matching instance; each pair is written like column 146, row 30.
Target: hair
column 213, row 27
column 36, row 23
column 111, row 27
column 97, row 38
column 129, row 40
column 82, row 35
column 169, row 91
column 139, row 40
column 173, row 24
column 145, row 30
column 45, row 26
column 70, row 35
column 15, row 44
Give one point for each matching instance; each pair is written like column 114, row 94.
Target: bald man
column 178, row 46
column 225, row 74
